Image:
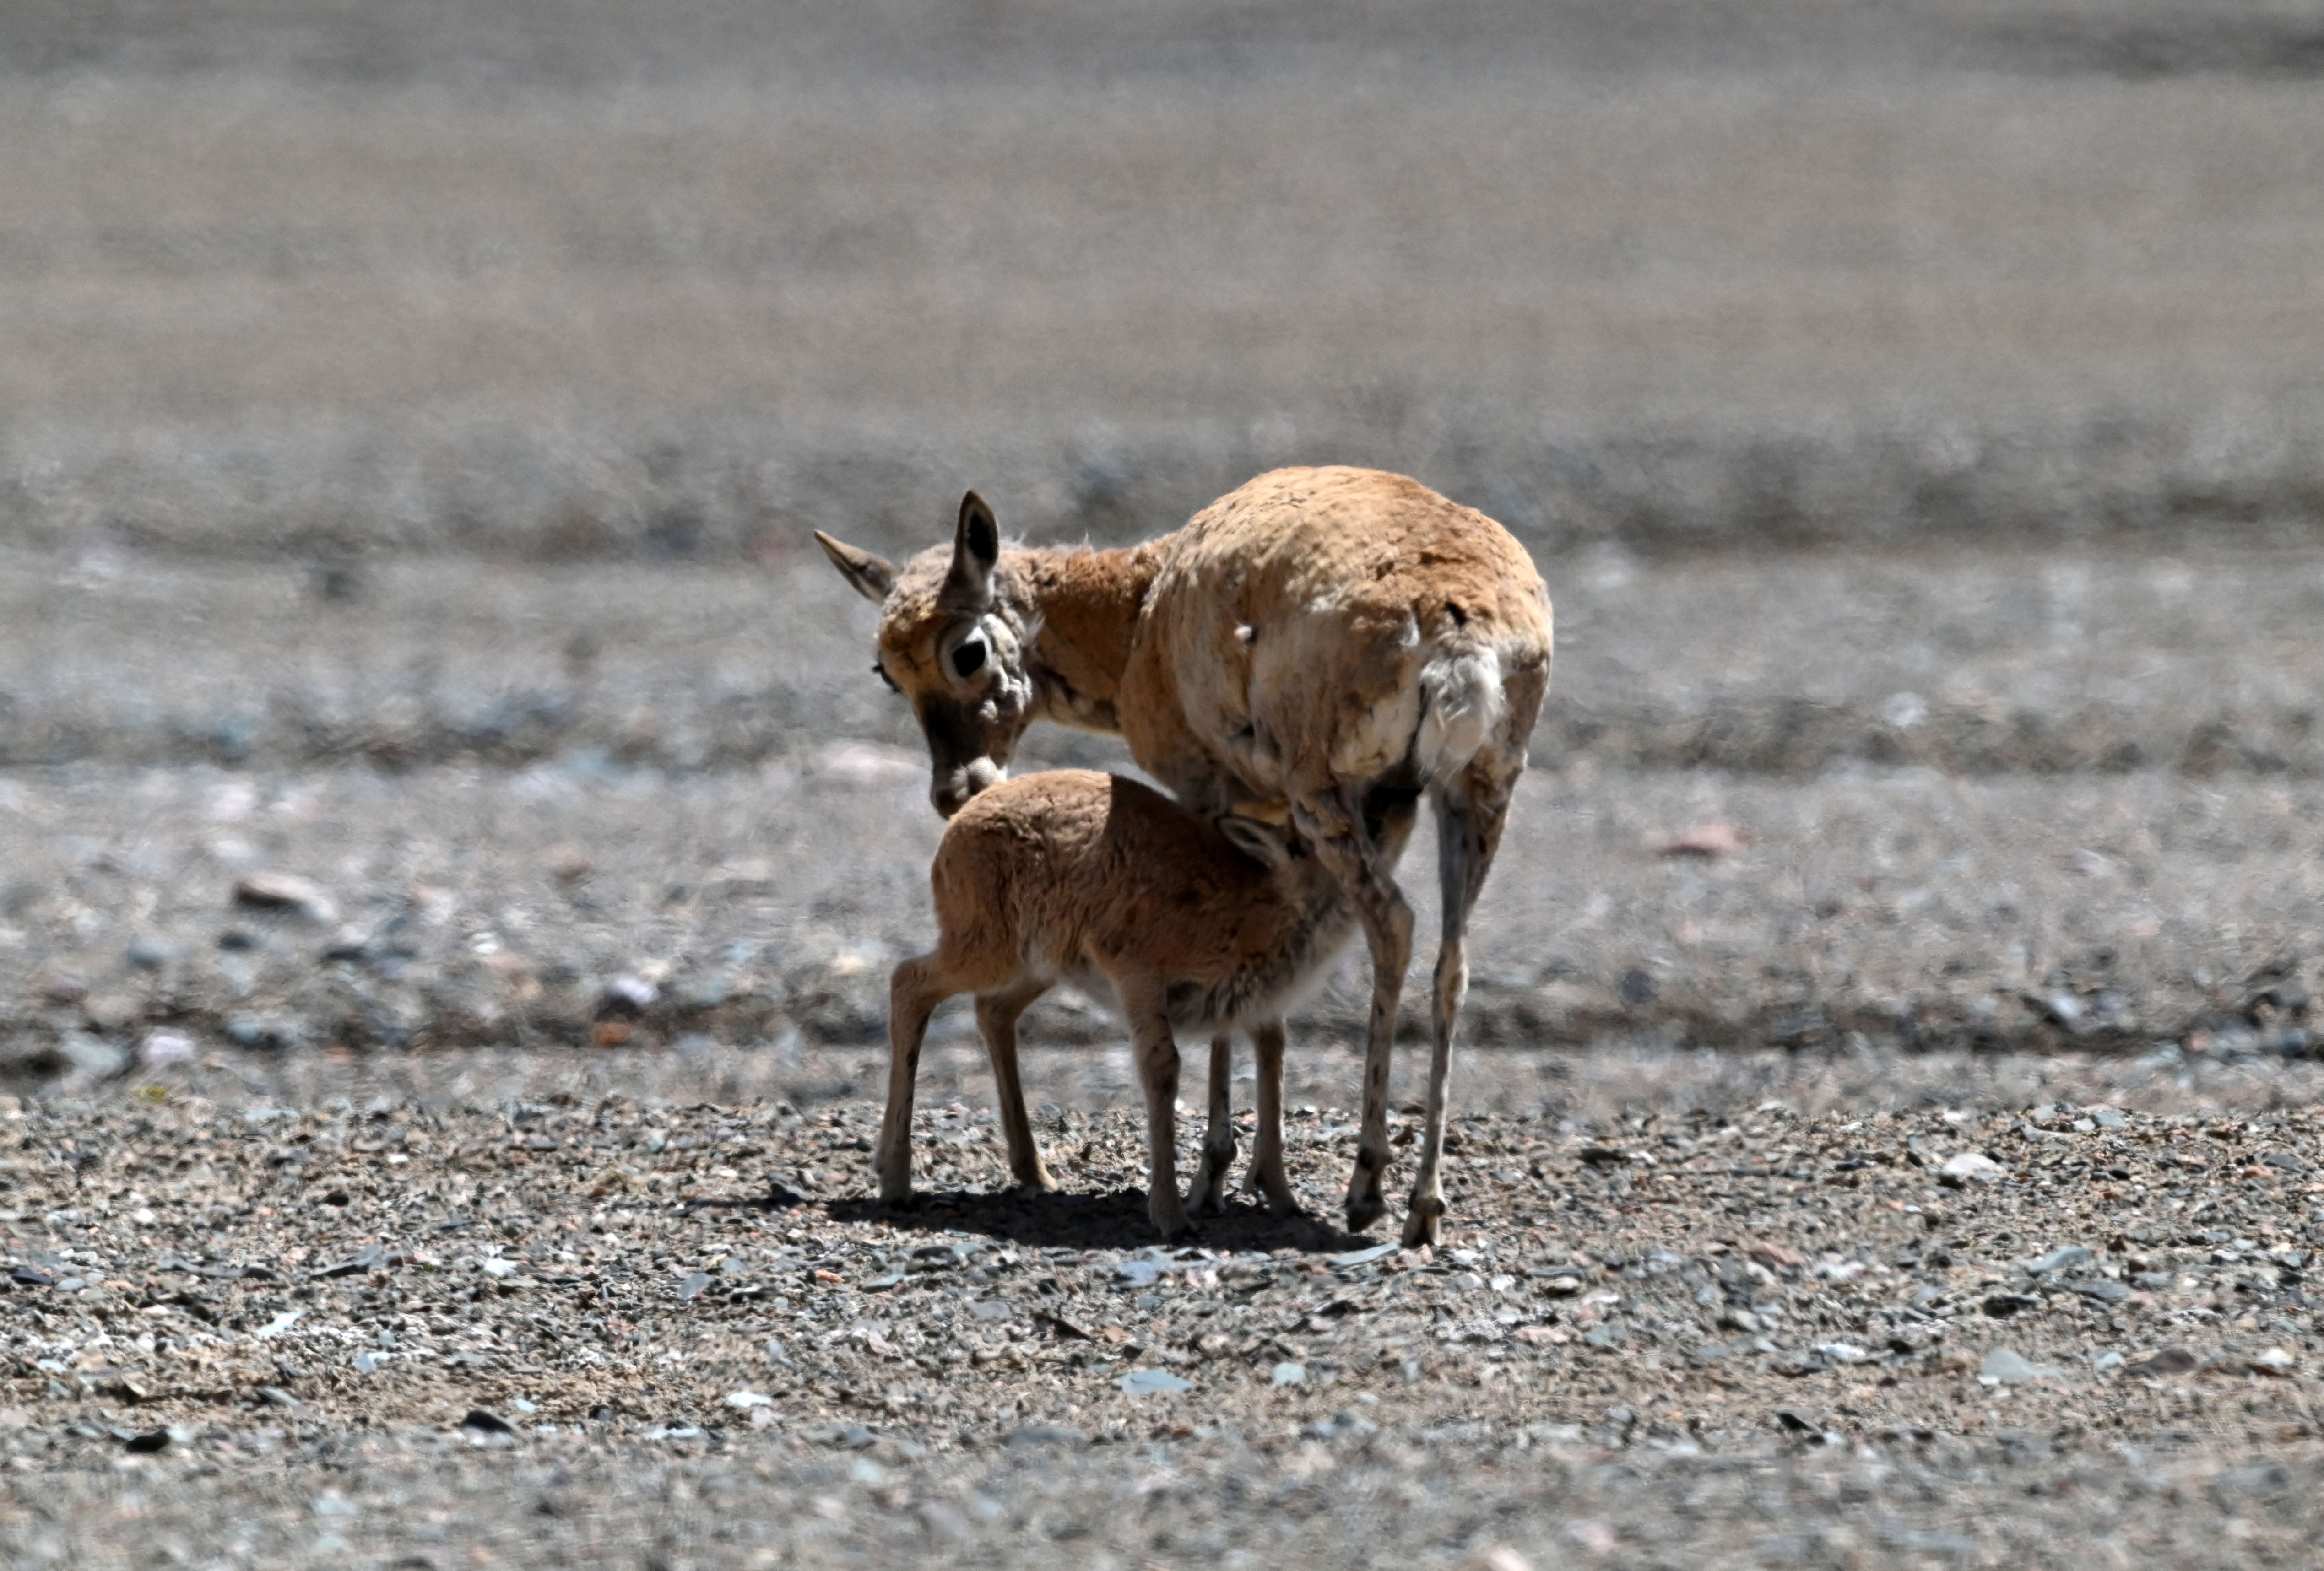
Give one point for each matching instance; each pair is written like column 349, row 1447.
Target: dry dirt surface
column 467, row 1308
column 2067, row 798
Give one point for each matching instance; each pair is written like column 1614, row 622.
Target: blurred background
column 566, row 278
column 412, row 414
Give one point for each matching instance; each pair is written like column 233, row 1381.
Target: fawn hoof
column 1423, row 1223
column 1274, row 1189
column 1208, row 1196
column 1363, row 1210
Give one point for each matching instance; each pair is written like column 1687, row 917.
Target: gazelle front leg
column 1142, row 1004
column 1344, row 847
column 1208, row 1195
column 1267, row 1174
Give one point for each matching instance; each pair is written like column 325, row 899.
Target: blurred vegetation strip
column 743, row 490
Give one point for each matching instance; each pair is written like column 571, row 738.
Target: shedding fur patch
column 1371, row 746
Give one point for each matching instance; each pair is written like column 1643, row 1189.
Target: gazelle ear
column 975, row 551
column 873, row 576
column 1263, row 843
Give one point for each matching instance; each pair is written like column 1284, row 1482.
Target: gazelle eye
column 881, row 673
column 969, row 659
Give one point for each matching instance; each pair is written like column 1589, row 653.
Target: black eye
column 881, row 673
column 969, row 659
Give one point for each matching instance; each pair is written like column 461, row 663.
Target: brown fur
column 1071, row 876
column 1309, row 644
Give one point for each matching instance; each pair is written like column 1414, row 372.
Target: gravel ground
column 456, row 1308
column 440, row 998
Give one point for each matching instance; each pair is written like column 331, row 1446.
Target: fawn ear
column 873, row 576
column 1264, row 843
column 975, row 551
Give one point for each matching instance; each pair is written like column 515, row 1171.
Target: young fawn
column 1070, row 875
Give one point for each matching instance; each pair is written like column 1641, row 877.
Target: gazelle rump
column 1076, row 877
column 1306, row 646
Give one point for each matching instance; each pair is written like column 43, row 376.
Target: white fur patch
column 1464, row 707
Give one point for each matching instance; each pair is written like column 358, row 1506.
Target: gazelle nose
column 951, row 790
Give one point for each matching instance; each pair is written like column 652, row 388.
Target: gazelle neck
column 1088, row 604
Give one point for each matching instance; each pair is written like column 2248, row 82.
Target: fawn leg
column 914, row 991
column 1267, row 1174
column 1207, row 1196
column 996, row 1022
column 1158, row 1066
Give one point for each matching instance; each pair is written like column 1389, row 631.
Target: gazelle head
column 953, row 646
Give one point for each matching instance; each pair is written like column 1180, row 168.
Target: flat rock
column 2061, row 1258
column 1970, row 1167
column 1150, row 1382
column 2002, row 1366
column 1036, row 1435
column 285, row 893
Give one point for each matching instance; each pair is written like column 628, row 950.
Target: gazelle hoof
column 1363, row 1210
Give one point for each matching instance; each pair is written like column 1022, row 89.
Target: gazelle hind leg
column 1468, row 834
column 1335, row 828
column 1267, row 1174
column 996, row 1022
column 914, row 991
column 1207, row 1197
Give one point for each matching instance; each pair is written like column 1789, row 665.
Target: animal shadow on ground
column 1116, row 1220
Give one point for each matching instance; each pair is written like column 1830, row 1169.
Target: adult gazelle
column 1311, row 646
